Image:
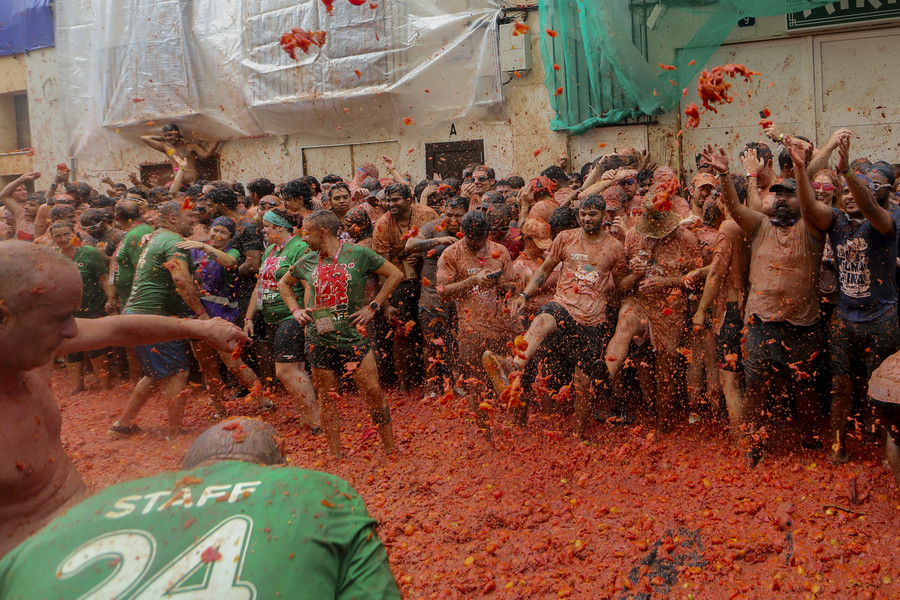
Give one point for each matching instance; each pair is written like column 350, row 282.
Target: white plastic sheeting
column 216, row 68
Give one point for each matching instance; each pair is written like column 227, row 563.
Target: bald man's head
column 248, row 440
column 26, row 268
column 40, row 290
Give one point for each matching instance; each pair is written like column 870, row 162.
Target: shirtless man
column 171, row 142
column 40, row 290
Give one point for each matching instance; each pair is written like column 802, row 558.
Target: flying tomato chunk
column 520, row 29
column 693, row 114
column 551, row 33
column 558, row 91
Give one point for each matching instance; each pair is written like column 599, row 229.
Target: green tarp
column 603, row 76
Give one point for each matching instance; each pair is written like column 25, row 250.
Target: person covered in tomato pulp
column 234, row 524
column 334, row 276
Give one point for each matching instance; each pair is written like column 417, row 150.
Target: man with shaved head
column 40, row 291
column 254, row 528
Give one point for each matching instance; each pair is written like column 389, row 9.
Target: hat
column 701, row 179
column 884, row 384
column 542, row 184
column 787, row 185
column 371, row 184
column 539, row 232
column 654, row 222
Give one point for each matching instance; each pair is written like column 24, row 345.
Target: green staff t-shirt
column 154, row 291
column 232, row 530
column 338, row 287
column 92, row 267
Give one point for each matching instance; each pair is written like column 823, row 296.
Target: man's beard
column 783, row 212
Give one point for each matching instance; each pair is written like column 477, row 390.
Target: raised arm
column 752, row 165
column 204, row 152
column 6, row 196
column 879, row 217
column 748, row 219
column 816, row 216
column 392, row 169
column 154, row 141
column 820, row 159
column 138, row 330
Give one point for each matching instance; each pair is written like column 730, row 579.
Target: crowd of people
column 758, row 290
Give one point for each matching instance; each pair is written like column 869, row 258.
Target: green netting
column 604, row 76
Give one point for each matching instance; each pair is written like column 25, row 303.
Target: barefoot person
column 171, row 142
column 153, row 533
column 40, row 291
column 334, row 278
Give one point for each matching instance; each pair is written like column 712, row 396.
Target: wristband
column 749, row 175
column 848, row 172
column 247, row 319
column 201, row 313
column 779, row 138
column 524, row 295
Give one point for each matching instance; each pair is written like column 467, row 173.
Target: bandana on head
column 226, row 222
column 272, row 217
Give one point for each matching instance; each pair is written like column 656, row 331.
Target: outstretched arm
column 748, row 219
column 862, row 195
column 138, row 330
column 816, row 216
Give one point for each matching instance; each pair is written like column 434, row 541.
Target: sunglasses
column 481, row 179
column 629, row 181
column 825, row 187
column 268, row 204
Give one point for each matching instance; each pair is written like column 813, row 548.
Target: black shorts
column 858, row 348
column 288, row 339
column 335, row 359
column 438, row 322
column 576, row 344
column 406, row 300
column 782, row 346
column 728, row 341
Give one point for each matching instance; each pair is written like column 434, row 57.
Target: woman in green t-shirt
column 283, row 332
column 98, row 297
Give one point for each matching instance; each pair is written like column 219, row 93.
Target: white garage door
column 808, row 84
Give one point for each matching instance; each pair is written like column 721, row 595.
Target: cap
column 701, row 179
column 539, row 232
column 787, row 185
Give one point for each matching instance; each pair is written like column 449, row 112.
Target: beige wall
column 511, row 137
